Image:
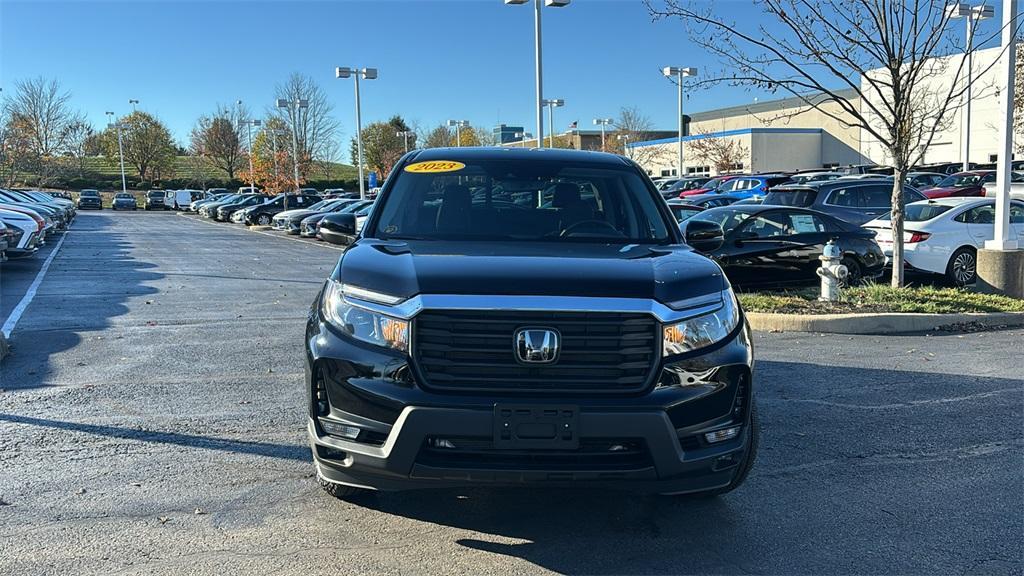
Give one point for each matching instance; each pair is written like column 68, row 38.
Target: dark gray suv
column 855, row 201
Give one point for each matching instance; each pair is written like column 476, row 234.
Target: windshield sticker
column 803, row 223
column 435, row 166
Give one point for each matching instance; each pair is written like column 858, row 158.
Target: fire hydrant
column 832, row 272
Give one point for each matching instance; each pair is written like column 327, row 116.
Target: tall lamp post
column 973, row 14
column 602, row 122
column 459, row 124
column 679, row 74
column 538, row 72
column 405, row 135
column 120, row 147
column 366, row 74
column 552, row 103
column 248, row 125
column 133, row 103
column 293, row 107
column 274, row 133
column 624, row 138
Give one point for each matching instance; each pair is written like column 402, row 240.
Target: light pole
column 459, row 124
column 1007, row 73
column 405, row 135
column 539, row 61
column 603, row 122
column 624, row 138
column 120, row 147
column 248, row 125
column 293, row 107
column 274, row 133
column 367, row 74
column 679, row 73
column 973, row 15
column 552, row 103
column 133, row 103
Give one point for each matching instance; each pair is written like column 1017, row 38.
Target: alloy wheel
column 965, row 267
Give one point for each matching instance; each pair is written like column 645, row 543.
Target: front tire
column 963, row 266
column 263, row 220
column 854, row 273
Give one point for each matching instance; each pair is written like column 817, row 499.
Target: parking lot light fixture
column 249, row 124
column 973, row 15
column 133, row 103
column 552, row 103
column 459, row 124
column 538, row 65
column 602, row 122
column 366, row 74
column 404, row 134
column 679, row 74
column 293, row 106
column 120, row 147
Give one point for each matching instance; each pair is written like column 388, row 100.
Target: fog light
column 722, row 435
column 340, row 430
column 441, row 443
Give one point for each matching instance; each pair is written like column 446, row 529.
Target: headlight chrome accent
column 704, row 330
column 363, row 323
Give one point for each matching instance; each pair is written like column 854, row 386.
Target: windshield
column 354, row 207
column 123, row 195
column 727, row 218
column 89, row 193
column 790, row 197
column 683, row 212
column 920, row 212
column 714, row 183
column 155, row 194
column 959, row 181
column 525, row 201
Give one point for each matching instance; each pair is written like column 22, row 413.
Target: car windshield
column 727, row 218
column 318, row 205
column 123, row 195
column 155, row 194
column 354, row 207
column 89, row 193
column 539, row 200
column 683, row 212
column 714, row 183
column 790, row 197
column 920, row 212
column 959, row 181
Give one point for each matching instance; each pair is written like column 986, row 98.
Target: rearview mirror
column 338, row 228
column 704, row 236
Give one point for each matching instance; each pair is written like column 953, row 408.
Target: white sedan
column 942, row 236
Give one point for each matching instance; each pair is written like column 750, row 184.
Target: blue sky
column 464, row 59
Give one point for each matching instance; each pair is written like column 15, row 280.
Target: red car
column 962, row 184
column 709, row 187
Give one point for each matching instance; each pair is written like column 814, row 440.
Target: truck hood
column 405, row 269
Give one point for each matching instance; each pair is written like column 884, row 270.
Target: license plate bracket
column 536, row 426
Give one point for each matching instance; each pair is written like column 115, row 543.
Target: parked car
column 923, row 180
column 209, row 209
column 942, row 236
column 708, row 187
column 962, row 184
column 850, row 200
column 750, row 186
column 224, row 211
column 43, row 222
column 310, row 224
column 66, row 207
column 945, row 167
column 679, row 185
column 774, row 246
column 211, row 192
column 579, row 329
column 182, row 199
column 123, row 201
column 263, row 214
column 709, row 200
column 1016, row 186
column 856, row 168
column 290, row 221
column 155, row 200
column 23, row 233
column 249, row 190
column 196, row 205
column 55, row 217
column 90, row 199
column 809, row 177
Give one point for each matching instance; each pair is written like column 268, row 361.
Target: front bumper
column 402, row 425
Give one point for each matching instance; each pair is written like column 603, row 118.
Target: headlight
column 361, row 323
column 703, row 330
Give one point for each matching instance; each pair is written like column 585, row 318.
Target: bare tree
column 630, row 127
column 314, row 127
column 43, row 107
column 722, row 153
column 218, row 138
column 889, row 53
column 77, row 143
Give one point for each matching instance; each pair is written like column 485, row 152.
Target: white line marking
column 225, row 225
column 12, row 320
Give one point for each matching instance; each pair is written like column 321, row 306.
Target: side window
column 1016, row 214
column 980, row 215
column 846, row 197
column 771, row 225
column 877, row 196
column 990, row 178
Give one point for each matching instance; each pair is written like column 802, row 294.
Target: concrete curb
column 880, row 323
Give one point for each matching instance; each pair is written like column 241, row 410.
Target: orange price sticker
column 435, row 166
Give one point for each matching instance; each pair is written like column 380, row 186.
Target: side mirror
column 704, row 236
column 338, row 228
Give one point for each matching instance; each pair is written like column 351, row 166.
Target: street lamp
column 459, row 124
column 603, row 122
column 249, row 124
column 367, row 74
column 133, row 103
column 274, row 133
column 405, row 134
column 293, row 106
column 973, row 15
column 624, row 138
column 537, row 53
column 120, row 147
column 679, row 73
column 552, row 103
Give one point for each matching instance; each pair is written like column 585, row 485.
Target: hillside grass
column 183, row 169
column 881, row 298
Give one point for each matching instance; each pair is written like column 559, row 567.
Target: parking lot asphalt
column 152, row 422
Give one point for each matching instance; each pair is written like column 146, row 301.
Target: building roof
column 754, row 108
column 737, row 132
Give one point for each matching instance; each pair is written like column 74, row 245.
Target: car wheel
column 754, row 439
column 339, row 491
column 854, row 273
column 963, row 266
column 263, row 220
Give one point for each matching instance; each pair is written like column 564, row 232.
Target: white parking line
column 12, row 320
column 272, row 235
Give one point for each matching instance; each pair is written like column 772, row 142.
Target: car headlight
column 703, row 330
column 362, row 323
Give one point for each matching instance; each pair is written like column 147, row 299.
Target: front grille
column 601, row 352
column 605, row 454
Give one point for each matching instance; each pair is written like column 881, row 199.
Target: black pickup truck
column 527, row 317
